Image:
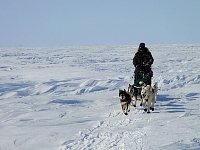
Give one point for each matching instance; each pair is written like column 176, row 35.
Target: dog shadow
column 170, row 104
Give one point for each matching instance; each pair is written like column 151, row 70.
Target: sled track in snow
column 113, row 133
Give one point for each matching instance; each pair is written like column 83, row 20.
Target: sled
column 138, row 80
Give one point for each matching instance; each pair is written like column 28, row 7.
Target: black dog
column 125, row 100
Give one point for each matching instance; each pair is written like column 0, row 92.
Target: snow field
column 67, row 98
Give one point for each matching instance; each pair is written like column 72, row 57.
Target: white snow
column 67, row 99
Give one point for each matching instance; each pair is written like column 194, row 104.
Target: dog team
column 147, row 97
column 142, row 88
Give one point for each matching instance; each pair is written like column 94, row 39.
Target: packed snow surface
column 67, row 99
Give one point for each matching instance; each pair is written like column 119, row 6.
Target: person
column 142, row 62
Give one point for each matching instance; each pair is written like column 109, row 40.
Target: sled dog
column 135, row 95
column 155, row 89
column 131, row 91
column 125, row 101
column 148, row 94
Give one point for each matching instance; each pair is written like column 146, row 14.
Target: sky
column 98, row 22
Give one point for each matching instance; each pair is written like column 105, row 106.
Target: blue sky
column 98, row 22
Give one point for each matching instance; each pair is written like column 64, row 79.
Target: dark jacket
column 143, row 60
